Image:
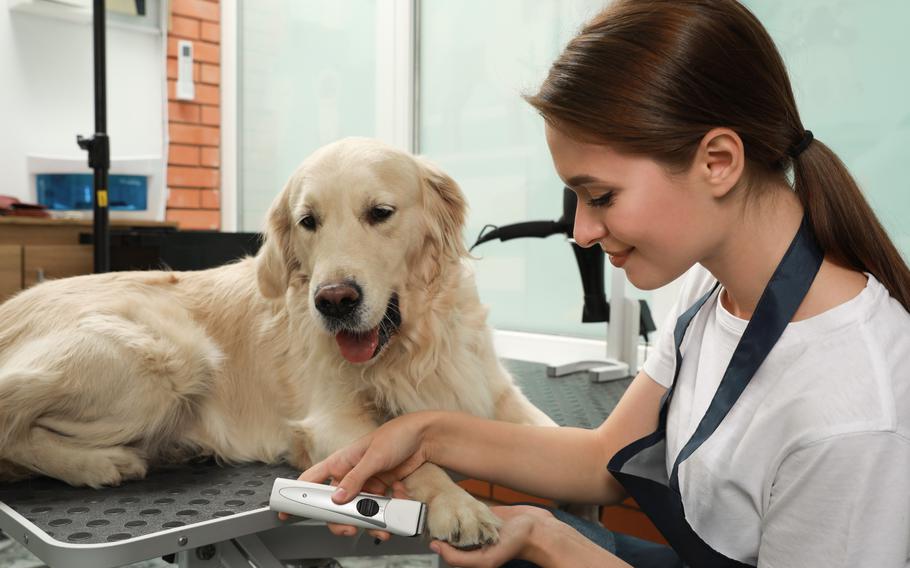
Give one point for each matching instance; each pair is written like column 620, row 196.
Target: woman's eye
column 380, row 214
column 604, row 200
column 308, row 222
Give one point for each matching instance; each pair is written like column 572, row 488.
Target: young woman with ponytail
column 771, row 424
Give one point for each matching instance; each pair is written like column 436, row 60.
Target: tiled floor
column 14, row 555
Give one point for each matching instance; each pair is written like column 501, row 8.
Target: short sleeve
column 841, row 502
column 661, row 357
column 660, row 362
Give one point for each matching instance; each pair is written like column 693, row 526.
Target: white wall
column 47, row 92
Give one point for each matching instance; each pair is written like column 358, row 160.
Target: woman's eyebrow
column 583, row 179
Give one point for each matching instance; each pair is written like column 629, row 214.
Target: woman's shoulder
column 847, row 369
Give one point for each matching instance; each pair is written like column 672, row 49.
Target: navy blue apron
column 641, row 467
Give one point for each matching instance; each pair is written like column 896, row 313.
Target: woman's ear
column 720, row 160
column 274, row 262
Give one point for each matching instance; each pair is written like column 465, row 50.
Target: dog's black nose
column 337, row 300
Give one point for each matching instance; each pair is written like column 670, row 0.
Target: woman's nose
column 588, row 229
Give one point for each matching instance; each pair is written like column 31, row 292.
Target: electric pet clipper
column 314, row 501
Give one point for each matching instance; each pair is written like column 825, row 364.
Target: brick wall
column 194, row 158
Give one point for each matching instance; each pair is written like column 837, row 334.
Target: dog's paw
column 301, row 441
column 108, row 467
column 462, row 521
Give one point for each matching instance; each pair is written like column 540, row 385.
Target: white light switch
column 185, row 88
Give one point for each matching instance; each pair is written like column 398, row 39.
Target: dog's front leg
column 454, row 515
column 318, row 435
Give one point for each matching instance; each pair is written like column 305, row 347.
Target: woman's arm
column 564, row 464
column 555, row 543
column 535, row 535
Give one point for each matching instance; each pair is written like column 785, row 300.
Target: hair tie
column 798, row 149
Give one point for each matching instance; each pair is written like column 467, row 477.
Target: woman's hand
column 372, row 464
column 515, row 538
column 390, row 453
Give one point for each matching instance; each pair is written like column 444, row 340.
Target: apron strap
column 782, row 296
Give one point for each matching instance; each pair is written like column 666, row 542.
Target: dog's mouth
column 362, row 346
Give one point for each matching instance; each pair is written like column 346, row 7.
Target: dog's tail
column 25, row 394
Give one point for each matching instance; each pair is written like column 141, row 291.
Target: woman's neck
column 748, row 254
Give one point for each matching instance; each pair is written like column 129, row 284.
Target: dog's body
column 358, row 308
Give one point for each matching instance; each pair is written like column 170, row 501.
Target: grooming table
column 213, row 516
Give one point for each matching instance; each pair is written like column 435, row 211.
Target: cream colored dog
column 357, row 308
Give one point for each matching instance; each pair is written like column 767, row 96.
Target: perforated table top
column 168, row 498
column 177, row 499
column 572, row 400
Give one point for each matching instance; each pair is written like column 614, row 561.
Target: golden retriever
column 358, row 307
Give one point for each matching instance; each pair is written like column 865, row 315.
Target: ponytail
column 844, row 223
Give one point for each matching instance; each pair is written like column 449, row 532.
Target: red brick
column 196, row 135
column 181, row 111
column 210, row 74
column 211, row 115
column 184, row 198
column 211, row 198
column 204, row 219
column 210, row 157
column 207, row 94
column 187, row 28
column 505, row 495
column 178, row 155
column 630, row 521
column 207, row 52
column 476, row 487
column 196, row 9
column 211, row 32
column 192, row 177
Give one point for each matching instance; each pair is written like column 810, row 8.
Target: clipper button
column 367, row 507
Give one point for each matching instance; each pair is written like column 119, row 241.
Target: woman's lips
column 619, row 258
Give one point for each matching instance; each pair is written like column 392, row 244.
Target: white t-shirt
column 811, row 467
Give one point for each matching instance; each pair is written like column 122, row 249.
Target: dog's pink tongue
column 358, row 347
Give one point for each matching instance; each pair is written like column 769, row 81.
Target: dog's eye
column 380, row 213
column 308, row 222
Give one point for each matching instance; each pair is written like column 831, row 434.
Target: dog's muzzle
column 340, row 306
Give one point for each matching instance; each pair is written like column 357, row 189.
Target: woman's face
column 653, row 225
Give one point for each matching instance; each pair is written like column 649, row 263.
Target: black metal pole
column 98, row 146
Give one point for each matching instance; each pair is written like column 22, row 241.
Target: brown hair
column 652, row 77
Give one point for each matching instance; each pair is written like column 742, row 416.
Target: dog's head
column 357, row 224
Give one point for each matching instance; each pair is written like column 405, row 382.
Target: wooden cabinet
column 10, row 270
column 33, row 250
column 46, row 262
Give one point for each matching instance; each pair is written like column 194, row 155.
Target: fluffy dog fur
column 104, row 375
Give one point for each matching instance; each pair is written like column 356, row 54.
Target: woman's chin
column 646, row 279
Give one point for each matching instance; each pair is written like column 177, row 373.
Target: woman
column 771, row 425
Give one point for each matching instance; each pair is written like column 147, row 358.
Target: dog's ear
column 274, row 263
column 447, row 208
